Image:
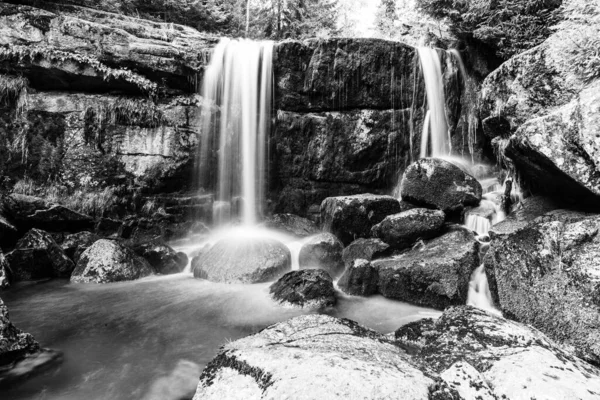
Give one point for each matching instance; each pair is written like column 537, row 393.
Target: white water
column 435, row 141
column 238, row 81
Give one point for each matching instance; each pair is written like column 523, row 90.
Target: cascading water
column 239, row 81
column 435, row 140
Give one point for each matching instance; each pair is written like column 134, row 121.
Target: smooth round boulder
column 313, row 357
column 309, row 288
column 323, row 251
column 404, row 229
column 162, row 257
column 359, row 279
column 243, row 260
column 352, row 217
column 37, row 256
column 109, row 261
column 439, row 184
column 365, row 249
column 292, row 224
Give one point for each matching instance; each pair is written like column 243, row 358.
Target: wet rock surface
column 545, row 273
column 352, row 217
column 404, row 229
column 435, row 274
column 365, row 249
column 323, row 251
column 5, row 272
column 38, row 256
column 243, row 260
column 292, row 224
column 76, row 243
column 436, row 183
column 316, row 356
column 310, row 288
column 109, row 261
column 162, row 257
column 359, row 279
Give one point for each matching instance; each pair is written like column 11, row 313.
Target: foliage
column 13, row 91
column 28, row 54
column 385, row 17
column 507, row 26
column 580, row 32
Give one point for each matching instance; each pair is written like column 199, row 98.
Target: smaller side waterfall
column 435, row 141
column 479, row 292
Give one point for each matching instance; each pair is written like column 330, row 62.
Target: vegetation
column 507, row 26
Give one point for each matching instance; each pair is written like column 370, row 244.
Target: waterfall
column 435, row 141
column 239, row 81
column 469, row 102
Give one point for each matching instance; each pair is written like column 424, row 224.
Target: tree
column 385, row 17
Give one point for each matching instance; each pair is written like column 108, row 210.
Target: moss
column 13, row 91
column 227, row 359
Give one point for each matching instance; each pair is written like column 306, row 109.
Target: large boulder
column 364, row 249
column 541, row 108
column 404, row 229
column 359, row 279
column 76, row 243
column 292, row 224
column 483, row 356
column 243, row 260
column 322, row 251
column 439, row 184
column 38, row 256
column 109, row 261
column 310, row 288
column 312, row 357
column 352, row 217
column 546, row 274
column 162, row 257
column 435, row 274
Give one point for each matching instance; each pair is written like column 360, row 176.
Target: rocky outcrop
column 490, row 357
column 243, row 260
column 310, row 288
column 5, row 273
column 545, row 273
column 435, row 274
column 8, row 232
column 292, row 224
column 404, row 229
column 323, row 251
column 365, row 249
column 436, row 183
column 359, row 279
column 541, row 108
column 37, row 256
column 76, row 243
column 352, row 217
column 162, row 257
column 317, row 356
column 108, row 261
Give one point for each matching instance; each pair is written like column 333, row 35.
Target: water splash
column 238, row 80
column 435, row 141
column 479, row 292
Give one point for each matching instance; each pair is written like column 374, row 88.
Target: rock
column 352, row 217
column 359, row 279
column 32, row 212
column 109, row 261
column 162, row 257
column 5, row 273
column 436, row 183
column 546, row 274
column 514, row 360
column 322, row 251
column 542, row 109
column 310, row 288
column 37, row 256
column 292, row 224
column 243, row 260
column 20, row 354
column 315, row 357
column 76, row 243
column 177, row 384
column 435, row 274
column 8, row 232
column 107, row 226
column 365, row 249
column 404, row 229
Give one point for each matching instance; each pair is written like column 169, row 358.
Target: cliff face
column 122, row 91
